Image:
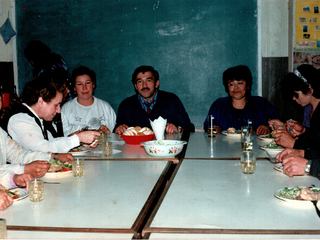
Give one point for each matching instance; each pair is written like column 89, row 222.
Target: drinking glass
column 248, row 162
column 107, row 149
column 211, row 127
column 103, row 138
column 35, row 190
column 78, row 167
column 3, row 228
column 246, row 138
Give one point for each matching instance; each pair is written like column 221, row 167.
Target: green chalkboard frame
column 190, row 43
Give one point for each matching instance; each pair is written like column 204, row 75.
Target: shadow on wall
column 273, row 71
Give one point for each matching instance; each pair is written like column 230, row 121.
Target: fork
column 290, row 128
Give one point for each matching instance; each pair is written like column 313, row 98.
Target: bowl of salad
column 272, row 148
column 163, row 148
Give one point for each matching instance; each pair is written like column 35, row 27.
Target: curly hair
column 45, row 86
column 236, row 74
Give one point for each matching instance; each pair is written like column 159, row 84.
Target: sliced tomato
column 64, row 169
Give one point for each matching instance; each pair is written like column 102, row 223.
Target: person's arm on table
column 296, row 128
column 262, row 130
column 283, row 138
column 181, row 116
column 22, row 180
column 121, row 129
column 37, row 168
column 29, row 135
column 5, row 200
column 275, row 124
column 293, row 165
column 104, row 129
column 171, row 128
column 291, row 151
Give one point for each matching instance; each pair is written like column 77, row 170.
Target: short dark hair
column 143, row 69
column 37, row 52
column 236, row 74
column 82, row 71
column 45, row 86
column 292, row 82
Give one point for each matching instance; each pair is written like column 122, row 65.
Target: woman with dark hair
column 239, row 107
column 86, row 111
column 303, row 86
column 41, row 101
column 302, row 154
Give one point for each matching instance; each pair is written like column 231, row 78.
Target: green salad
column 268, row 136
column 65, row 165
column 272, row 146
column 291, row 193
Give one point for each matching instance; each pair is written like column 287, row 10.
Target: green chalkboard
column 190, row 43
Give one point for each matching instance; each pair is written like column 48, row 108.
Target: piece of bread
column 138, row 131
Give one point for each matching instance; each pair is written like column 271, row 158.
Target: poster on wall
column 307, row 33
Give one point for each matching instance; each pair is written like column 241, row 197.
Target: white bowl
column 163, row 148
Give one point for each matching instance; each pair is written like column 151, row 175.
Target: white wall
column 274, row 28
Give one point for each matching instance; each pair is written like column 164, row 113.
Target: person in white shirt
column 15, row 161
column 86, row 111
column 41, row 101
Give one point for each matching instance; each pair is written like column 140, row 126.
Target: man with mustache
column 150, row 103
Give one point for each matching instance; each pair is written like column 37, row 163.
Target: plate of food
column 272, row 148
column 298, row 194
column 79, row 151
column 266, row 137
column 58, row 168
column 232, row 132
column 17, row 193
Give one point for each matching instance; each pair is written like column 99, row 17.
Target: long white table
column 124, row 151
column 216, row 198
column 112, row 197
column 200, row 146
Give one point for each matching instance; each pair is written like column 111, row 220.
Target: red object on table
column 136, row 140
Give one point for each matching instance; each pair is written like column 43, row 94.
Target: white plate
column 271, row 151
column 57, row 174
column 21, row 192
column 114, row 151
column 233, row 135
column 80, row 153
column 278, row 167
column 292, row 201
column 263, row 138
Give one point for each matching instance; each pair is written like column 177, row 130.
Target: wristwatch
column 307, row 167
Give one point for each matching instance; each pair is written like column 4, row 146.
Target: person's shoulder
column 130, row 99
column 19, row 117
column 167, row 95
column 101, row 102
column 69, row 103
column 222, row 100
